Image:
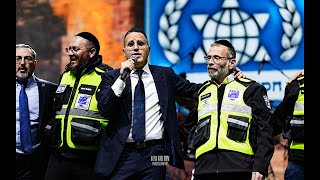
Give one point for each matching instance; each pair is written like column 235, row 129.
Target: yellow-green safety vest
column 83, row 108
column 298, row 113
column 234, row 114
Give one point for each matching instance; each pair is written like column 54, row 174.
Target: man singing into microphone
column 142, row 134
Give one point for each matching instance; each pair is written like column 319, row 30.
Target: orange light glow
column 95, row 16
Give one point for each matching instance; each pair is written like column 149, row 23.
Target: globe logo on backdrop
column 236, row 26
column 232, row 24
column 267, row 36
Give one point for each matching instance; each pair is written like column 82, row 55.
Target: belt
column 28, row 157
column 144, row 144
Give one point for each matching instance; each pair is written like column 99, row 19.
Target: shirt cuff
column 118, row 87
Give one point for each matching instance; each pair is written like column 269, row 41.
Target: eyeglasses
column 75, row 49
column 140, row 45
column 216, row 58
column 27, row 59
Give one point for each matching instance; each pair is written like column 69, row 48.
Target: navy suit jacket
column 119, row 111
column 46, row 96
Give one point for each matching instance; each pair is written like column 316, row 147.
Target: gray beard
column 22, row 77
column 221, row 73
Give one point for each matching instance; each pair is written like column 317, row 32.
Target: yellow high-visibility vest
column 80, row 120
column 235, row 117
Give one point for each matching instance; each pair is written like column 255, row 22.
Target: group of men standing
column 105, row 123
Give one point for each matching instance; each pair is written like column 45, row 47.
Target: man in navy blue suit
column 119, row 156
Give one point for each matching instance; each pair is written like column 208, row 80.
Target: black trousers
column 62, row 168
column 28, row 167
column 141, row 163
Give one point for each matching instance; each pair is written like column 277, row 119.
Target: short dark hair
column 92, row 38
column 224, row 42
column 135, row 29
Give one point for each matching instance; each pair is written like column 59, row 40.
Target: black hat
column 92, row 38
column 225, row 43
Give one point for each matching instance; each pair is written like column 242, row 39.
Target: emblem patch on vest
column 61, row 88
column 233, row 95
column 83, row 101
column 205, row 99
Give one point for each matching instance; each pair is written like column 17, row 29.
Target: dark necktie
column 25, row 133
column 138, row 127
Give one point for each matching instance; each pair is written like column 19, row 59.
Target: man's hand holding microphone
column 127, row 66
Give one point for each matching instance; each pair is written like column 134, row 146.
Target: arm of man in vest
column 261, row 130
column 285, row 109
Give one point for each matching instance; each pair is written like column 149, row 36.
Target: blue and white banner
column 268, row 36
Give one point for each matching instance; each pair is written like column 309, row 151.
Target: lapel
column 127, row 99
column 161, row 83
column 42, row 97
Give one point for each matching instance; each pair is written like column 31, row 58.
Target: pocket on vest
column 85, row 132
column 297, row 128
column 237, row 128
column 202, row 132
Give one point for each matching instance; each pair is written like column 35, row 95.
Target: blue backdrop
column 268, row 32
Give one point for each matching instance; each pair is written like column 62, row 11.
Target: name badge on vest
column 84, row 97
column 233, row 95
column 83, row 101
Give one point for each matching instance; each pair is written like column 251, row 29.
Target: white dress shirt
column 154, row 126
column 33, row 102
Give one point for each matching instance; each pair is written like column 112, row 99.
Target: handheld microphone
column 127, row 71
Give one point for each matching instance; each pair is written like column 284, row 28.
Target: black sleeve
column 191, row 119
column 284, row 110
column 107, row 100
column 186, row 126
column 261, row 131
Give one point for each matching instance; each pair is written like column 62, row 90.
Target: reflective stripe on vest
column 297, row 122
column 233, row 109
column 299, row 106
column 298, row 111
column 81, row 112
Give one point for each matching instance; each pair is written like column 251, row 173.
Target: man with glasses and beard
column 75, row 131
column 34, row 98
column 232, row 136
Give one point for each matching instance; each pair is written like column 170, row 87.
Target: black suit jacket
column 118, row 110
column 46, row 96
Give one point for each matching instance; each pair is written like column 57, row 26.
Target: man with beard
column 34, row 99
column 75, row 130
column 232, row 136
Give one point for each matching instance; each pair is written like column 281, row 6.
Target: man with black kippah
column 232, row 133
column 75, row 131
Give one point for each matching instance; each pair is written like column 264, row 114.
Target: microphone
column 127, row 71
column 261, row 65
